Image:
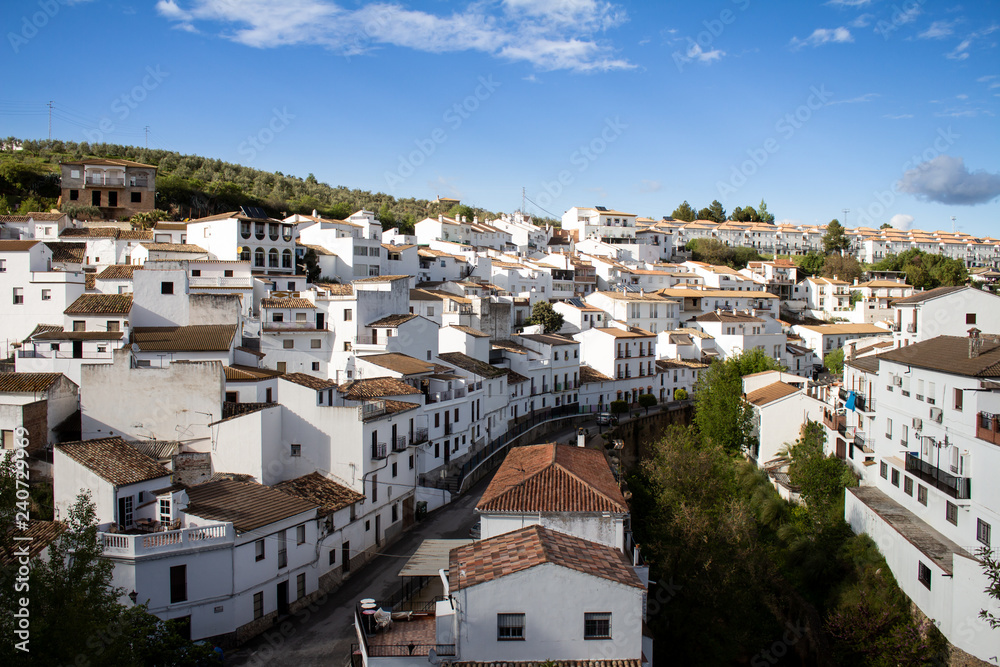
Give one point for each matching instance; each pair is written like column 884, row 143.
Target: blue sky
column 887, row 109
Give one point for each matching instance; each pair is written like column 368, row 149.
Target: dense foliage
column 543, row 313
column 924, row 270
column 193, row 186
column 714, row 251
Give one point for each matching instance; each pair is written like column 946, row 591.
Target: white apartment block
column 651, row 312
column 249, row 236
column 945, row 311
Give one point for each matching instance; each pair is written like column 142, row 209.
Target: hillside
column 189, row 186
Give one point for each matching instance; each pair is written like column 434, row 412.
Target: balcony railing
column 419, row 436
column 380, row 450
column 293, row 326
column 988, row 427
column 106, row 182
column 399, row 444
column 959, row 488
column 834, row 422
column 366, row 339
column 131, row 546
column 217, row 281
column 864, row 442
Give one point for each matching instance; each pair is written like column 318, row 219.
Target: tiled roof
column 513, row 377
column 15, row 218
column 471, row 364
column 589, row 375
column 469, row 330
column 391, row 321
column 770, row 393
column 27, row 382
column 113, row 460
column 310, row 381
column 631, row 332
column 726, row 316
column 920, row 297
column 111, row 304
column 17, row 246
column 90, row 232
column 40, row 533
column 329, row 495
column 171, row 226
column 59, row 334
column 90, row 280
column 950, row 354
column 420, row 294
column 664, row 364
column 553, row 478
column 391, row 408
column 380, row 279
column 248, row 505
column 488, row 560
column 231, row 409
column 368, row 388
column 550, row 339
column 397, row 248
column 399, row 363
column 135, row 235
column 194, row 338
column 844, row 329
column 118, row 272
column 67, row 252
column 337, row 289
column 867, row 364
column 173, row 247
column 238, row 373
column 113, row 162
column 42, row 329
column 291, row 302
column 318, row 249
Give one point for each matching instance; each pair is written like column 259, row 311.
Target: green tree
column 704, row 214
column 311, row 262
column 619, row 407
column 684, row 212
column 680, row 394
column 811, row 263
column 844, row 267
column 386, row 216
column 543, row 313
column 647, row 401
column 764, row 215
column 718, row 213
column 885, row 225
column 459, row 211
column 835, row 239
column 991, row 567
column 748, row 214
column 834, row 361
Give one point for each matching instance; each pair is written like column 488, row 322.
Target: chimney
column 440, row 218
column 855, row 281
column 642, row 292
column 850, row 351
column 315, row 213
column 975, row 343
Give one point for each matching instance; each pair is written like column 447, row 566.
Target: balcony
column 408, row 636
column 216, row 281
column 106, row 181
column 419, row 436
column 293, row 326
column 380, row 450
column 834, row 422
column 120, row 545
column 959, row 488
column 399, row 444
column 862, row 441
column 911, row 328
column 988, row 427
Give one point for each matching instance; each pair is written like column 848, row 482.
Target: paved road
column 323, row 633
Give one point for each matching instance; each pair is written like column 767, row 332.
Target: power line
column 546, row 210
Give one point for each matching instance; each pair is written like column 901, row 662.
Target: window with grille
column 300, row 586
column 258, row 605
column 924, row 575
column 597, row 625
column 510, row 627
column 951, row 513
column 983, row 530
column 922, row 494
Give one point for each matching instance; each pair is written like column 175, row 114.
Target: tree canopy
column 836, row 238
column 844, row 267
column 714, row 251
column 543, row 313
column 924, row 270
column 684, row 212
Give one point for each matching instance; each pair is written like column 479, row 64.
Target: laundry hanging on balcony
column 850, row 401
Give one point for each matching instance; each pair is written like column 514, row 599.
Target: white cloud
column 987, row 78
column 938, row 30
column 867, row 97
column 549, row 34
column 695, row 52
column 647, row 186
column 946, row 180
column 822, row 36
column 963, row 96
column 960, row 52
column 901, row 221
column 531, row 78
column 963, row 112
column 848, row 3
column 862, row 21
column 898, row 117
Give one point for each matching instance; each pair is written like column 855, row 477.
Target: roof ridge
column 584, row 482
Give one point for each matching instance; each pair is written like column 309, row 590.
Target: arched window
column 272, row 258
column 258, row 257
column 245, row 254
column 286, row 259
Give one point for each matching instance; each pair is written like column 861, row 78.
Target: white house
column 247, row 235
column 944, row 311
column 38, row 403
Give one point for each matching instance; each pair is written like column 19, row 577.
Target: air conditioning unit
column 897, row 380
column 918, row 423
column 937, row 414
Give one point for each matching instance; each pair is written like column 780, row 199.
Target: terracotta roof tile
column 950, row 354
column 399, row 363
column 368, row 388
column 173, row 247
column 391, row 321
column 337, row 289
column 27, row 382
column 135, row 235
column 238, row 373
column 17, row 246
column 194, row 338
column 41, row 534
column 471, row 364
column 553, row 478
column 90, row 280
column 291, row 302
column 118, row 272
column 248, row 505
column 469, row 330
column 67, row 251
column 310, row 381
column 380, row 279
column 391, row 408
column 329, row 495
column 488, row 560
column 770, row 393
column 114, row 460
column 589, row 375
column 90, row 232
column 112, row 304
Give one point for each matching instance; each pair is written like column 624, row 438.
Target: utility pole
column 50, row 120
column 522, row 200
column 846, row 211
column 952, row 224
column 147, row 136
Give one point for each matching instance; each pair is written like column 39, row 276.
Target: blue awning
column 850, row 401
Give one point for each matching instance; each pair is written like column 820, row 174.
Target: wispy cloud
column 549, row 34
column 862, row 21
column 867, row 97
column 947, row 180
column 822, row 36
column 849, row 3
column 695, row 52
column 531, row 78
column 898, row 117
column 939, row 30
column 961, row 52
column 963, row 112
column 647, row 186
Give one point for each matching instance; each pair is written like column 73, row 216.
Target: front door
column 321, row 321
column 78, row 349
column 282, row 598
column 378, row 530
column 112, row 198
column 345, row 557
column 95, row 198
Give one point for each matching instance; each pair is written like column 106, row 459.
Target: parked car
column 476, row 530
column 606, row 418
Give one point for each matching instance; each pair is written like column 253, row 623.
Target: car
column 476, row 530
column 607, row 418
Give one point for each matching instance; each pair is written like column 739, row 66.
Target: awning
column 430, row 556
column 850, row 401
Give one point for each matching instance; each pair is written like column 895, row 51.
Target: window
column 259, row 550
column 113, row 325
column 137, row 197
column 300, row 586
column 166, row 288
column 951, row 513
column 888, row 428
column 280, row 367
column 227, row 273
column 258, row 605
column 165, row 515
column 510, row 627
column 272, row 258
column 347, row 346
column 315, row 365
column 18, row 296
column 924, row 575
column 430, row 311
column 395, row 512
column 983, row 532
column 282, row 550
column 411, row 461
column 74, row 195
column 316, row 343
column 332, row 558
column 79, row 325
column 959, row 399
column 196, row 273
column 347, row 315
column 125, row 507
column 884, row 470
column 597, row 625
column 258, row 257
column 288, row 344
column 922, row 494
column 970, row 318
column 437, row 419
column 178, row 583
column 8, row 439
column 46, row 295
column 895, row 477
column 296, row 450
column 300, row 534
column 395, row 468
column 908, row 486
column 300, row 317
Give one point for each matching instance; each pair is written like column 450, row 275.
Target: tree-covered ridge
column 192, row 185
